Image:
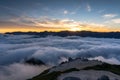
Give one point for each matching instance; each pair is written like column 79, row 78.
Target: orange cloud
column 26, row 24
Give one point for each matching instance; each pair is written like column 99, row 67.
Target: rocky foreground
column 81, row 70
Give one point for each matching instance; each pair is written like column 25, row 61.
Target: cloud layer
column 51, row 50
column 17, row 48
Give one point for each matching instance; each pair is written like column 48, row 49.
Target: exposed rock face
column 71, row 78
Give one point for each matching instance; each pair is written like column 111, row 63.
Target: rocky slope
column 81, row 70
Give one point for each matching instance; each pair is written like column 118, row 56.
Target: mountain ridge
column 103, row 71
column 70, row 33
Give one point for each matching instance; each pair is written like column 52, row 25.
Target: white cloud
column 109, row 60
column 109, row 15
column 65, row 12
column 88, row 8
column 18, row 71
column 117, row 21
column 113, row 21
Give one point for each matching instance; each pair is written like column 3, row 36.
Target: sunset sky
column 59, row 15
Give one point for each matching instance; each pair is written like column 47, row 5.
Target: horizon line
column 61, row 31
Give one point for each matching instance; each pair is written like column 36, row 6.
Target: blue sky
column 30, row 13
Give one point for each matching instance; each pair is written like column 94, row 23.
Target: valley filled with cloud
column 52, row 50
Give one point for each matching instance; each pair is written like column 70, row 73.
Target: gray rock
column 71, row 78
column 104, row 77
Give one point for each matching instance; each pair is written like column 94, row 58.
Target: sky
column 59, row 15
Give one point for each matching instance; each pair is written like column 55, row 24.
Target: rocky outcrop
column 34, row 61
column 81, row 70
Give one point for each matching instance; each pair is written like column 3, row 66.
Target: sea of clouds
column 51, row 50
